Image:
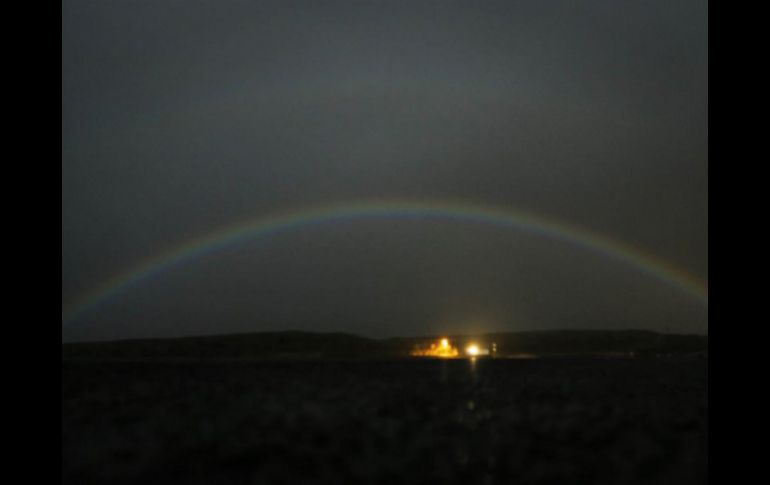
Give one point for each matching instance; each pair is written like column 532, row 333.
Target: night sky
column 183, row 117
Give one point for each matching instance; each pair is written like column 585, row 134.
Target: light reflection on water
column 445, row 364
column 444, row 370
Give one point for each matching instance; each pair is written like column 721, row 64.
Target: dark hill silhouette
column 309, row 345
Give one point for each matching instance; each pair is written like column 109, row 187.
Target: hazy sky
column 181, row 117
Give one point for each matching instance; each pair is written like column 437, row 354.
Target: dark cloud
column 181, row 117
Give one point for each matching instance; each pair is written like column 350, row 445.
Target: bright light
column 473, row 350
column 443, row 348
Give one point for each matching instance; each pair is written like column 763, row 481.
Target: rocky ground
column 405, row 421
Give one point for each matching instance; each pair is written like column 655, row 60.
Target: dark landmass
column 308, row 345
column 302, row 408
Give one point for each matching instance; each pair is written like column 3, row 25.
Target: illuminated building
column 443, row 348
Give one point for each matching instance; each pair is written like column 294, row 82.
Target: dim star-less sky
column 182, row 117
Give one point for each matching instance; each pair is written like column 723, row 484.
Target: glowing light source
column 443, row 348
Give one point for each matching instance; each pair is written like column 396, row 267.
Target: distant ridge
column 299, row 345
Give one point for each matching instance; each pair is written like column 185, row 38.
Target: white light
column 473, row 349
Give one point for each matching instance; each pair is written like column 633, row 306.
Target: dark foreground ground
column 395, row 422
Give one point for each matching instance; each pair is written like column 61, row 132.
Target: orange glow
column 443, row 348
